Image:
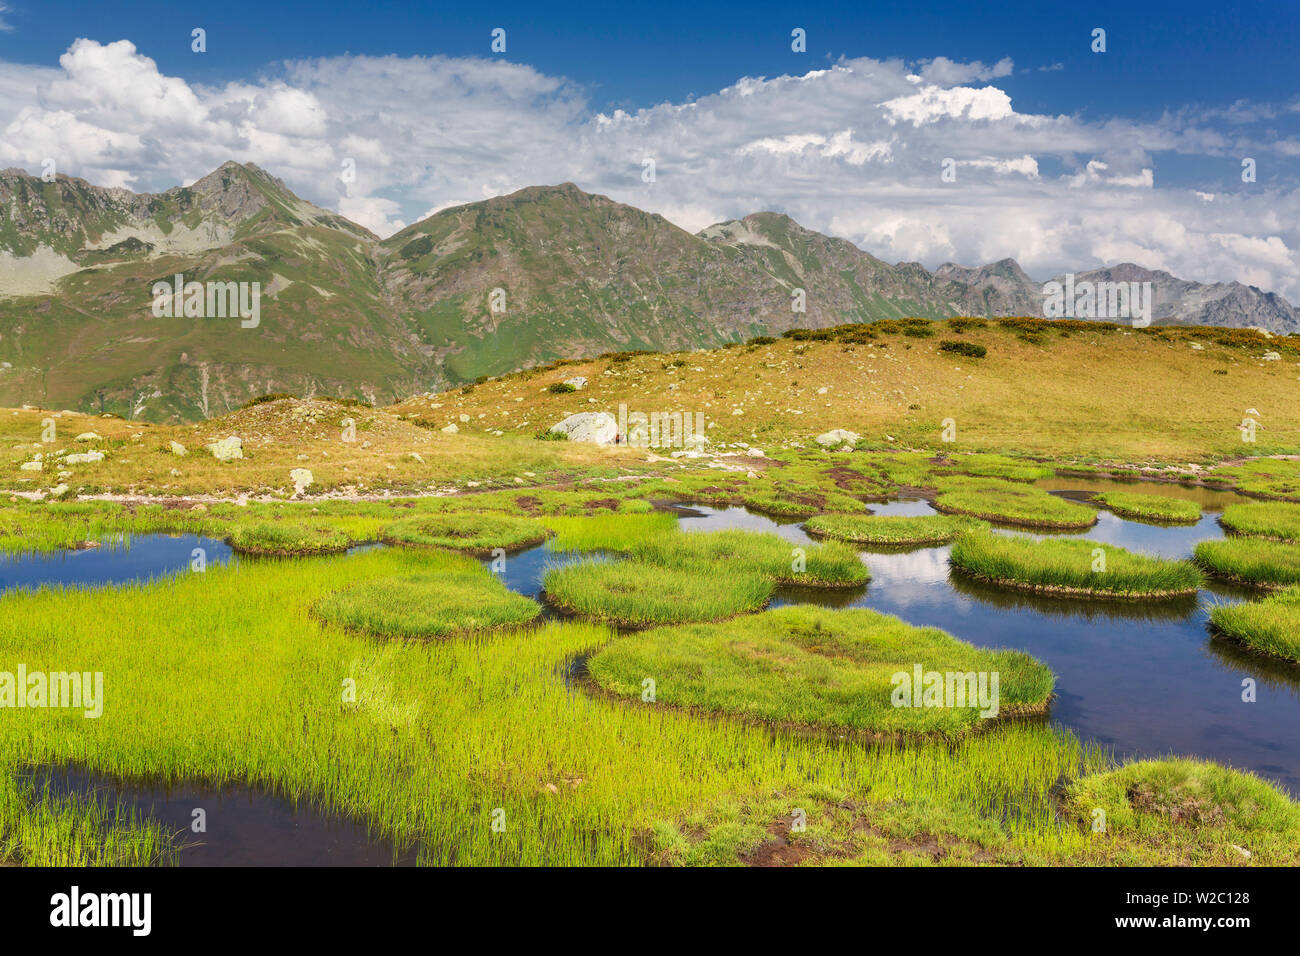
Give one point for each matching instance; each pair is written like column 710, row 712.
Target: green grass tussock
column 808, row 667
column 479, row 534
column 1070, row 567
column 1258, row 562
column 639, row 594
column 1190, row 809
column 1009, row 504
column 609, row 532
column 891, row 530
column 288, row 539
column 1150, row 507
column 455, row 596
column 1270, row 626
column 1277, row 520
column 827, row 565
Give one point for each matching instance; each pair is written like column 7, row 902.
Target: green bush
column 963, row 348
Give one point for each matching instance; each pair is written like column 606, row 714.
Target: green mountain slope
column 343, row 313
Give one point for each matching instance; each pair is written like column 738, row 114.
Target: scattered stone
column 227, row 448
column 32, row 466
column 578, row 382
column 838, row 436
column 451, row 429
column 177, row 449
column 1272, row 357
column 89, row 436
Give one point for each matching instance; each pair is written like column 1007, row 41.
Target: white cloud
column 854, row 150
column 5, row 26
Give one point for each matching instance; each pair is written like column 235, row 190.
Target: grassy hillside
column 1106, row 394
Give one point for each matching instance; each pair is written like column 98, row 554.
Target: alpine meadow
column 538, row 438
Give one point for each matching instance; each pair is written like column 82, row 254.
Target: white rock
column 416, row 455
column 823, row 390
column 89, row 436
column 1198, row 346
column 694, row 442
column 177, row 449
column 301, row 478
column 32, row 466
column 598, row 428
column 578, row 382
column 227, row 448
column 85, row 458
column 450, row 429
column 837, row 436
column 1271, row 357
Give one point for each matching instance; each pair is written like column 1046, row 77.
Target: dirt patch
column 778, row 850
column 1187, row 810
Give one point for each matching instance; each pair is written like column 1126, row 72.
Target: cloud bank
column 858, row 149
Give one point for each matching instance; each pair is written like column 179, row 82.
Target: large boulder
column 838, row 436
column 227, row 448
column 598, row 428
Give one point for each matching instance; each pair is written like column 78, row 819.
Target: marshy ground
column 444, row 639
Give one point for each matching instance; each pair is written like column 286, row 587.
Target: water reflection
column 1142, row 677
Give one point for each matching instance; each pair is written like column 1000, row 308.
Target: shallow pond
column 243, row 826
column 115, row 561
column 1142, row 678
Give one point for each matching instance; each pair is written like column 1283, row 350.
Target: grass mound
column 810, row 667
column 478, row 534
column 1071, row 567
column 1150, row 507
column 1265, row 519
column 826, row 565
column 1192, row 810
column 453, row 601
column 1270, row 626
column 893, row 530
column 1008, row 504
column 639, row 594
column 1254, row 561
column 609, row 532
column 288, row 538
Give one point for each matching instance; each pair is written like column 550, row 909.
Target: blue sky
column 1065, row 158
column 634, row 55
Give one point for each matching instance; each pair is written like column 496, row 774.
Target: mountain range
column 481, row 289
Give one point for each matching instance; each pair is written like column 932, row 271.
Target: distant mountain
column 347, row 314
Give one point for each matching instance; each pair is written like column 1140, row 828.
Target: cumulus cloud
column 855, row 150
